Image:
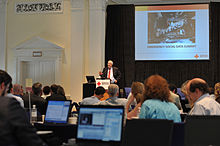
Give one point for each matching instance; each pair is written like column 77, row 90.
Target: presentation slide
column 172, row 32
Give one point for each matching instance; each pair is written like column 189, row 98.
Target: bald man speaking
column 111, row 73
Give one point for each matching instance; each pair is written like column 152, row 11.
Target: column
column 3, row 22
column 77, row 48
column 96, row 47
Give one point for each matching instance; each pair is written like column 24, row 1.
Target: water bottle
column 34, row 114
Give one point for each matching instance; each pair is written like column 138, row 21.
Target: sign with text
column 28, row 84
column 103, row 82
column 47, row 6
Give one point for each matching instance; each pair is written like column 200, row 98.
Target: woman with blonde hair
column 137, row 90
column 217, row 92
column 157, row 104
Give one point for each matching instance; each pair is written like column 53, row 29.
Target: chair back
column 202, row 130
column 144, row 132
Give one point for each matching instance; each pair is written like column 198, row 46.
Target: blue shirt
column 90, row 100
column 157, row 109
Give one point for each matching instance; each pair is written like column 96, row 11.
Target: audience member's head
column 37, row 89
column 217, row 89
column 137, row 90
column 173, row 88
column 5, row 81
column 99, row 92
column 46, row 90
column 156, row 87
column 196, row 88
column 17, row 90
column 60, row 90
column 54, row 88
column 183, row 87
column 113, row 90
column 110, row 63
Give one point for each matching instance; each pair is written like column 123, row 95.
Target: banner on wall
column 47, row 6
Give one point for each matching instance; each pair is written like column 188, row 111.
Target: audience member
column 198, row 94
column 18, row 90
column 36, row 99
column 217, row 92
column 46, row 92
column 174, row 97
column 186, row 104
column 98, row 94
column 137, row 90
column 60, row 91
column 54, row 95
column 113, row 91
column 18, row 98
column 14, row 124
column 157, row 104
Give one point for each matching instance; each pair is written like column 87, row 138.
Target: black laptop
column 57, row 112
column 100, row 125
column 90, row 79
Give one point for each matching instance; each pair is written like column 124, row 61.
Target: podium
column 103, row 82
column 88, row 88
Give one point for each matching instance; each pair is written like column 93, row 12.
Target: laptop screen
column 101, row 123
column 90, row 79
column 57, row 111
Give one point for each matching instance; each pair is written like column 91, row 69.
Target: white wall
column 63, row 29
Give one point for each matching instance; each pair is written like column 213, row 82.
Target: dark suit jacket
column 15, row 127
column 35, row 100
column 56, row 97
column 116, row 73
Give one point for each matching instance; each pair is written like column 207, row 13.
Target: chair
column 148, row 132
column 178, row 134
column 202, row 131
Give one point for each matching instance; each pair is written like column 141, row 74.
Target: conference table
column 63, row 132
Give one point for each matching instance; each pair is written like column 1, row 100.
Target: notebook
column 100, row 124
column 57, row 112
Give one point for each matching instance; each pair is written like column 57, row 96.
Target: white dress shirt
column 205, row 105
column 111, row 75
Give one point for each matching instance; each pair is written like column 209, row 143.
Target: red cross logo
column 196, row 56
column 98, row 83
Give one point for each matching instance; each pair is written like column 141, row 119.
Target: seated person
column 36, row 99
column 137, row 90
column 157, row 104
column 113, row 91
column 217, row 92
column 198, row 94
column 174, row 97
column 55, row 95
column 17, row 90
column 15, row 127
column 18, row 98
column 46, row 92
column 98, row 94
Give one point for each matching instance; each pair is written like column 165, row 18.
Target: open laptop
column 57, row 112
column 90, row 79
column 100, row 125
